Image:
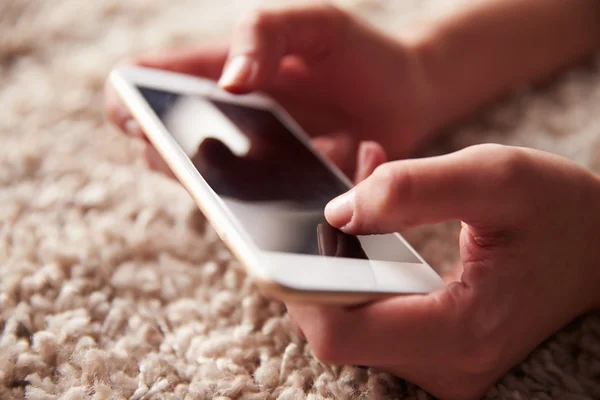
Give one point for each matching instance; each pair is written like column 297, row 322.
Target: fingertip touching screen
column 272, row 183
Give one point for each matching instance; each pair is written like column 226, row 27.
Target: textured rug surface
column 111, row 286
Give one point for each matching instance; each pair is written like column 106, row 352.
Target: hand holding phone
column 527, row 245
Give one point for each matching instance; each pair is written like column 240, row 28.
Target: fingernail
column 239, row 72
column 133, row 128
column 340, row 210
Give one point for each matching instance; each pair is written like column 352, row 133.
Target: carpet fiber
column 112, row 286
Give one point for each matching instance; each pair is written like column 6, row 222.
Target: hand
column 529, row 255
column 343, row 81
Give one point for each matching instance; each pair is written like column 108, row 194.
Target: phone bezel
column 421, row 279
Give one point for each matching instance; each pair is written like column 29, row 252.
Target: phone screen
column 271, row 182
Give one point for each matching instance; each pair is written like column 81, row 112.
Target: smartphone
column 251, row 170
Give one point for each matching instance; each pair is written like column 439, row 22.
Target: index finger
column 264, row 38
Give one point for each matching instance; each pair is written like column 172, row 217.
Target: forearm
column 491, row 47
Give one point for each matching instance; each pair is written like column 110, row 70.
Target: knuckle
column 256, row 20
column 335, row 14
column 338, row 20
column 392, row 186
column 385, row 179
column 510, row 165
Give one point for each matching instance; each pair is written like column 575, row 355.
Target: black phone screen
column 272, row 183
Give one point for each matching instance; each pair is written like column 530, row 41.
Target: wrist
column 419, row 118
column 469, row 57
column 444, row 95
column 449, row 79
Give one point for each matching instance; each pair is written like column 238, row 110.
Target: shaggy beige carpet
column 111, row 286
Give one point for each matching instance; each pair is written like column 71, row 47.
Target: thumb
column 263, row 38
column 481, row 185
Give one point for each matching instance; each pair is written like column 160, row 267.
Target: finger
column 339, row 148
column 480, row 185
column 370, row 156
column 156, row 162
column 263, row 39
column 377, row 333
column 205, row 60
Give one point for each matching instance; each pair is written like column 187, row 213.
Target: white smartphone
column 251, row 170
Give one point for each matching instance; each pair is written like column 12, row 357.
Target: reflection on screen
column 271, row 182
